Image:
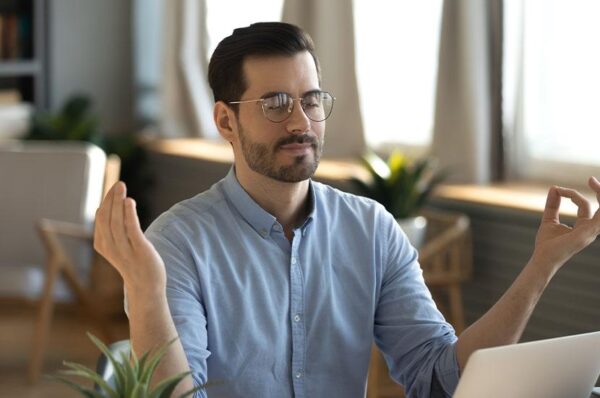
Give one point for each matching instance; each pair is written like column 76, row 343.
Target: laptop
column 564, row 367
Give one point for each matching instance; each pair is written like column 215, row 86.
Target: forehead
column 294, row 74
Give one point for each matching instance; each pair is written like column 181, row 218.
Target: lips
column 297, row 143
column 296, row 146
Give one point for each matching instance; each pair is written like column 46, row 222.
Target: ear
column 225, row 121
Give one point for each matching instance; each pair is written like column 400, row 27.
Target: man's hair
column 226, row 67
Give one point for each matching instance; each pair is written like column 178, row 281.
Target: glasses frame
column 290, row 109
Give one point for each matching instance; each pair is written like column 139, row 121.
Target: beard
column 261, row 158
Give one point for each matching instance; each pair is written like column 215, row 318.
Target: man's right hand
column 119, row 238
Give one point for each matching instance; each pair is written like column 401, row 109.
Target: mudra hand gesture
column 119, row 238
column 555, row 242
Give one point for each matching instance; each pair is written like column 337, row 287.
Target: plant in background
column 76, row 121
column 131, row 376
column 400, row 185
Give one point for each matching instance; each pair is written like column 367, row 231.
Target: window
column 225, row 15
column 552, row 88
column 396, row 65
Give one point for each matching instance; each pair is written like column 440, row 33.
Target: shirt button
column 297, row 318
column 264, row 232
column 293, row 260
column 277, row 227
column 298, row 374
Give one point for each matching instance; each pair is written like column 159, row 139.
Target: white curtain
column 185, row 95
column 465, row 110
column 331, row 25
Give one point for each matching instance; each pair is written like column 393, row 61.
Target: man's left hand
column 555, row 242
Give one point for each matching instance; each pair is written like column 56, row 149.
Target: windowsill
column 512, row 196
column 529, row 197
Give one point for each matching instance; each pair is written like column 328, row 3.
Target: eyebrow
column 273, row 93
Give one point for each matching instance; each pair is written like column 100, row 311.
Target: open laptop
column 564, row 367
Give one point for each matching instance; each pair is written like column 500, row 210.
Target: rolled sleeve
column 416, row 341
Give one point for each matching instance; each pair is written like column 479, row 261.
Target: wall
column 90, row 51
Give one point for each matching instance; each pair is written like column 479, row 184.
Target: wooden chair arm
column 65, row 229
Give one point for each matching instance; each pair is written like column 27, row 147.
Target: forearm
column 151, row 327
column 504, row 323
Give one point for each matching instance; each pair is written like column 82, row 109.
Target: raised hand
column 119, row 238
column 555, row 242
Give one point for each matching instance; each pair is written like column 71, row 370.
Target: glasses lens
column 277, row 107
column 317, row 105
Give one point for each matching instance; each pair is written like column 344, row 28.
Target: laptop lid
column 554, row 368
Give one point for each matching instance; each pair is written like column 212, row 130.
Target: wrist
column 144, row 300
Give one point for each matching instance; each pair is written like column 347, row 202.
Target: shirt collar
column 258, row 218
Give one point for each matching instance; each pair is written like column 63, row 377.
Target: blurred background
column 502, row 95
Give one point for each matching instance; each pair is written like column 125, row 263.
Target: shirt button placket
column 296, row 308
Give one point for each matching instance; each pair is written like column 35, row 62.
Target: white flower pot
column 414, row 228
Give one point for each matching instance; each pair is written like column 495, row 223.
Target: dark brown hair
column 225, row 70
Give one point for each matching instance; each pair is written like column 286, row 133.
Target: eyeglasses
column 277, row 107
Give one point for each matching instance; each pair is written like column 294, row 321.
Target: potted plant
column 132, row 376
column 402, row 187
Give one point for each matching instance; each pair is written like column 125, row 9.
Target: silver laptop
column 565, row 367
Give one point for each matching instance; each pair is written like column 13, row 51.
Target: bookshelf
column 22, row 52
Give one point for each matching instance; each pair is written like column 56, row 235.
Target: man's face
column 288, row 151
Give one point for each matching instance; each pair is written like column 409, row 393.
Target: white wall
column 90, row 52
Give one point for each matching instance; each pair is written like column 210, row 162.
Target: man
column 275, row 284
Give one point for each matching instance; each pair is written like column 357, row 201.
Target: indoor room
column 471, row 125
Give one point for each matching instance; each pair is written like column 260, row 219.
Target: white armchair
column 41, row 182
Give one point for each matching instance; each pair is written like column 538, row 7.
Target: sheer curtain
column 186, row 109
column 552, row 89
column 467, row 132
column 330, row 24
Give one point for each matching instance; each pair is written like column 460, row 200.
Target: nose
column 298, row 122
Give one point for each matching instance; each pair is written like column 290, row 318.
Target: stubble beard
column 262, row 159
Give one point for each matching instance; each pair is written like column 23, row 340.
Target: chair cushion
column 56, row 180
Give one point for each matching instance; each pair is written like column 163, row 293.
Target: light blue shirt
column 265, row 317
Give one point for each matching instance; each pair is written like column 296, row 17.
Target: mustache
column 298, row 139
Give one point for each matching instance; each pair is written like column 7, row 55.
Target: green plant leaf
column 376, row 165
column 192, row 391
column 154, row 360
column 165, row 388
column 131, row 380
column 83, row 371
column 118, row 368
column 86, row 392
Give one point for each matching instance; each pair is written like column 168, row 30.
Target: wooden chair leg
column 43, row 321
column 92, row 312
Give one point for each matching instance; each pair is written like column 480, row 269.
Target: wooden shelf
column 19, row 68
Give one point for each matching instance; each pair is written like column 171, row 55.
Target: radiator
column 503, row 241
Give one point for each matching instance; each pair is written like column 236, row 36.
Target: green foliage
column 132, row 376
column 401, row 186
column 76, row 121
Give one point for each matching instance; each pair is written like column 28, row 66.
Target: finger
column 595, row 185
column 584, row 208
column 132, row 224
column 102, row 226
column 552, row 207
column 117, row 225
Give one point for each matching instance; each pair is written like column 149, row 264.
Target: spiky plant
column 132, row 376
column 400, row 185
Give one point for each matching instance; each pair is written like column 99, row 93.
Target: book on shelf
column 16, row 36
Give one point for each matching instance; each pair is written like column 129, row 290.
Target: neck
column 286, row 201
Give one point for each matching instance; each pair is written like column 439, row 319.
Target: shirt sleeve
column 184, row 297
column 417, row 343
